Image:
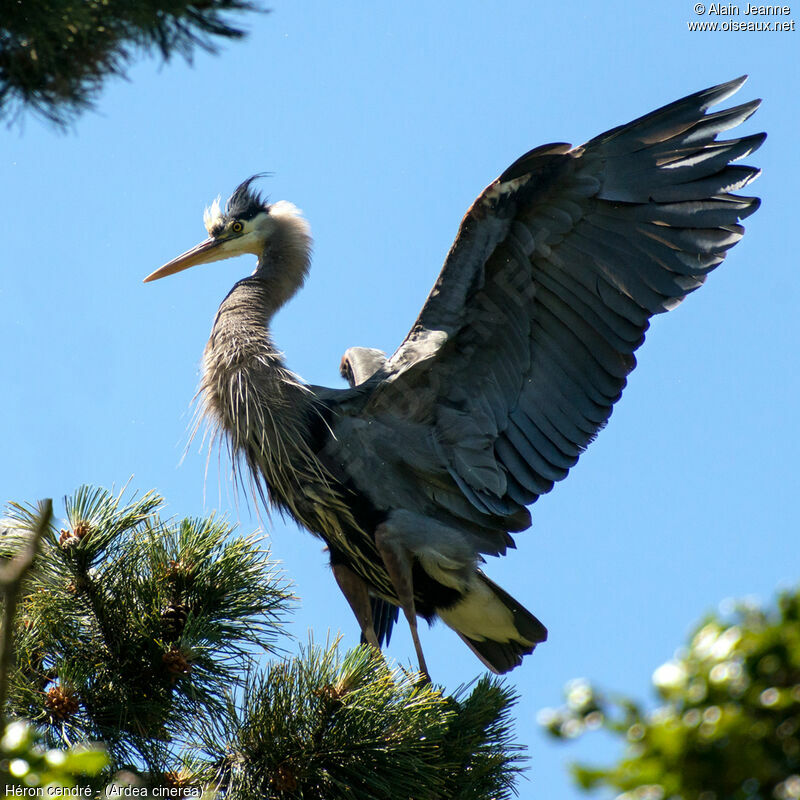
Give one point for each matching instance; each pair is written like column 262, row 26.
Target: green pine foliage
column 728, row 727
column 149, row 635
column 326, row 726
column 131, row 627
column 55, row 54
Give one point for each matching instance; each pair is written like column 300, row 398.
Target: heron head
column 244, row 226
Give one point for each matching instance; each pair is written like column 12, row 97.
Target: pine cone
column 61, row 702
column 173, row 570
column 178, row 573
column 178, row 780
column 69, row 539
column 176, row 662
column 285, row 779
column 173, row 620
column 329, row 694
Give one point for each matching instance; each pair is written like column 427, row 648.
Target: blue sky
column 383, row 124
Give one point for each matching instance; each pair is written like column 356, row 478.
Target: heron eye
column 237, row 227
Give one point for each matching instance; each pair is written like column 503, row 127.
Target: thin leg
column 398, row 565
column 355, row 591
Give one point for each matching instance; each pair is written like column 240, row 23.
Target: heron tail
column 494, row 625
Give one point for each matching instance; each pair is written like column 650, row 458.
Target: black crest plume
column 246, row 202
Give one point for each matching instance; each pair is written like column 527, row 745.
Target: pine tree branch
column 131, row 627
column 144, row 634
column 330, row 725
column 12, row 574
column 56, row 54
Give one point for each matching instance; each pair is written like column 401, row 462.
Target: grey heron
column 429, row 460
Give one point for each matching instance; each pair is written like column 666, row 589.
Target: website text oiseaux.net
column 741, row 18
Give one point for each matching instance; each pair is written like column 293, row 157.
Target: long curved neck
column 248, row 394
column 246, row 384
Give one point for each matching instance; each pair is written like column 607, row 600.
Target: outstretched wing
column 524, row 344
